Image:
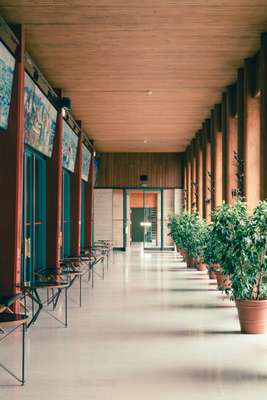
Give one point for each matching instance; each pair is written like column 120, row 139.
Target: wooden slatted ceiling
column 108, row 54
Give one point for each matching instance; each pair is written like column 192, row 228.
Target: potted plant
column 226, row 220
column 179, row 229
column 195, row 237
column 249, row 278
column 210, row 252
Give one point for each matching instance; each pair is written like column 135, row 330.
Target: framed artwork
column 86, row 155
column 7, row 68
column 69, row 148
column 40, row 119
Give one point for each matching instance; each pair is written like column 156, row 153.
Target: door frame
column 33, row 155
column 126, row 189
column 147, row 189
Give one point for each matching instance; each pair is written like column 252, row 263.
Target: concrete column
column 252, row 134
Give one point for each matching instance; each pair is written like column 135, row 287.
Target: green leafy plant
column 188, row 231
column 249, row 280
column 229, row 226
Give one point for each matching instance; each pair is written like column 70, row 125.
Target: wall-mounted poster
column 40, row 118
column 7, row 67
column 86, row 163
column 69, row 146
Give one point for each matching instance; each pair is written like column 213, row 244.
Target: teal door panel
column 83, row 214
column 66, row 213
column 34, row 215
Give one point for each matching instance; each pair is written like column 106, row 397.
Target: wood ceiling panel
column 107, row 55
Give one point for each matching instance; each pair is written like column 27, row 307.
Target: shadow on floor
column 192, row 306
column 174, row 290
column 226, row 375
column 204, row 375
column 202, row 278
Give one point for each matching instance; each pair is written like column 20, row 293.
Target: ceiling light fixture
column 149, row 92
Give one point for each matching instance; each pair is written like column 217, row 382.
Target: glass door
column 34, row 215
column 152, row 219
column 66, row 219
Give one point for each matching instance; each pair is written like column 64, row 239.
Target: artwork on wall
column 7, row 67
column 86, row 162
column 40, row 118
column 69, row 148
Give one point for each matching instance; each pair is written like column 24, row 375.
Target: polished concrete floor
column 152, row 330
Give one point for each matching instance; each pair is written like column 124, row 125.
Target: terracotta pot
column 183, row 253
column 212, row 274
column 190, row 262
column 223, row 281
column 252, row 316
column 201, row 266
column 215, row 267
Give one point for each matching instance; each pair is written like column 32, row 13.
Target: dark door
column 137, row 217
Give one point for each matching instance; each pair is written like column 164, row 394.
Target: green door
column 137, row 218
column 34, row 215
column 66, row 214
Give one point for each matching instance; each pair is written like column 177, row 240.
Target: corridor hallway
column 152, row 330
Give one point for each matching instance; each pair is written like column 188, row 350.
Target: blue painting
column 7, row 67
column 40, row 119
column 69, row 148
column 86, row 163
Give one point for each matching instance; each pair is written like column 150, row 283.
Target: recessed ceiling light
column 149, row 92
column 145, row 140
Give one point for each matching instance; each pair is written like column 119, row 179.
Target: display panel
column 86, row 162
column 69, row 148
column 40, row 119
column 7, row 67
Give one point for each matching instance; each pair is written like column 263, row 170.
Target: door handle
column 27, row 248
